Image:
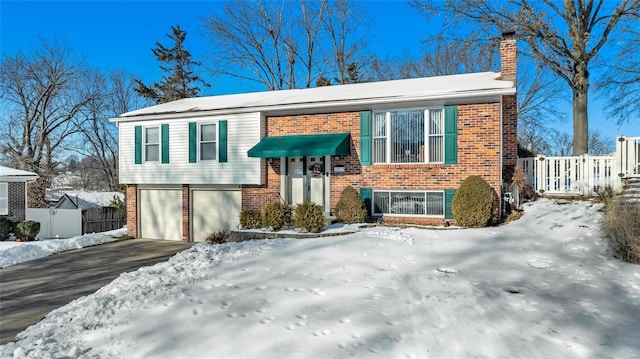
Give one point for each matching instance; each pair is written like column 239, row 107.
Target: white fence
column 55, row 222
column 575, row 175
column 628, row 156
column 583, row 175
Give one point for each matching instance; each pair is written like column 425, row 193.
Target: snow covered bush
column 350, row 207
column 28, row 230
column 250, row 219
column 475, row 203
column 309, row 216
column 622, row 227
column 276, row 215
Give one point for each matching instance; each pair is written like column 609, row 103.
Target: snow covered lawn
column 541, row 287
column 12, row 252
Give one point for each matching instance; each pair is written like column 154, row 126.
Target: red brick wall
column 478, row 154
column 132, row 210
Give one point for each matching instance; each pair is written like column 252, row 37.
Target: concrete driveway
column 30, row 290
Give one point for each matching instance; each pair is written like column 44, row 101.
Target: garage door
column 214, row 211
column 161, row 214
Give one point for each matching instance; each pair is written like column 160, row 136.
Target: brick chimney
column 508, row 56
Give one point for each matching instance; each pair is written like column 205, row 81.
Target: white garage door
column 214, row 211
column 161, row 214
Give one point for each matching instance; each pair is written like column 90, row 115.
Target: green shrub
column 475, row 203
column 309, row 216
column 622, row 229
column 350, row 207
column 28, row 229
column 216, row 237
column 276, row 215
column 5, row 228
column 250, row 219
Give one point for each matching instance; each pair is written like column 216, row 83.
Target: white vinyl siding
column 4, row 199
column 408, row 136
column 243, row 132
column 207, row 142
column 410, row 203
column 152, row 144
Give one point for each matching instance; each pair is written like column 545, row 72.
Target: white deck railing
column 628, row 156
column 572, row 175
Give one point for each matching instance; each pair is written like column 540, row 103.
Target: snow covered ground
column 540, row 287
column 12, row 252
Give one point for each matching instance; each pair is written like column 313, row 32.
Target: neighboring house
column 84, row 199
column 191, row 165
column 13, row 192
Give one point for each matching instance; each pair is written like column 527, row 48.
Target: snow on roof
column 426, row 88
column 90, row 199
column 8, row 173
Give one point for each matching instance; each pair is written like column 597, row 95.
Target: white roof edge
column 506, row 91
column 12, row 174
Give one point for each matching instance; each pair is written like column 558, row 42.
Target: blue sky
column 120, row 35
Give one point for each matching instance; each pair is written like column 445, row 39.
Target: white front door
column 307, row 180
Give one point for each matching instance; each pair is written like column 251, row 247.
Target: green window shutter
column 222, row 130
column 448, row 198
column 193, row 142
column 450, row 135
column 366, row 194
column 164, row 129
column 138, row 145
column 365, row 138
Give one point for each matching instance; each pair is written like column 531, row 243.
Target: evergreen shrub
column 350, row 207
column 475, row 203
column 28, row 230
column 5, row 228
column 250, row 219
column 309, row 216
column 276, row 215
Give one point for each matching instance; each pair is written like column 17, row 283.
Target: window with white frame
column 4, row 199
column 416, row 203
column 207, row 142
column 408, row 136
column 152, row 144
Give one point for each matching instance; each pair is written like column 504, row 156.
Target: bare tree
column 621, row 81
column 566, row 38
column 41, row 103
column 278, row 44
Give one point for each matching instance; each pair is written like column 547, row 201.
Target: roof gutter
column 315, row 105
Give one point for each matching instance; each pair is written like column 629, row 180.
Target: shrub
column 309, row 216
column 622, row 229
column 250, row 219
column 605, row 196
column 475, row 203
column 520, row 182
column 5, row 228
column 350, row 207
column 276, row 215
column 216, row 237
column 28, row 229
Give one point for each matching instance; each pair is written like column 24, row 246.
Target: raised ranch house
column 13, row 192
column 192, row 165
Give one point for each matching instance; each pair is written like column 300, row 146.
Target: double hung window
column 408, row 136
column 208, row 142
column 152, row 144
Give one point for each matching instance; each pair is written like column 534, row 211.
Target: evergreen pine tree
column 179, row 80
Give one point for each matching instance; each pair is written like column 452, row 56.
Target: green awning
column 302, row 145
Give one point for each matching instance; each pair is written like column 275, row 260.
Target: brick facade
column 132, row 210
column 16, row 201
column 478, row 154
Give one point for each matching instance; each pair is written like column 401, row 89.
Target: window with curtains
column 421, row 203
column 207, row 142
column 152, row 144
column 408, row 136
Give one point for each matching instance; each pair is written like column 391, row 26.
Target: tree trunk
column 580, row 123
